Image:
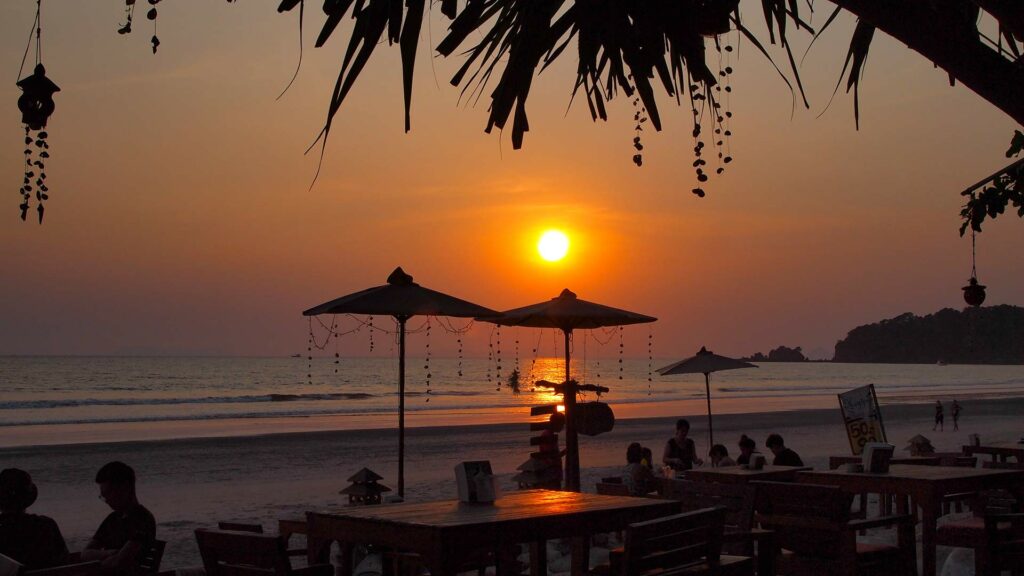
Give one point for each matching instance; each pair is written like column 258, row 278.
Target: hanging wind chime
column 151, row 15
column 974, row 293
column 36, row 105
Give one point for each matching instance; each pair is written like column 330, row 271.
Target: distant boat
column 296, row 355
column 942, row 363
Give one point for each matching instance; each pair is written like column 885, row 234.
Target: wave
column 245, row 399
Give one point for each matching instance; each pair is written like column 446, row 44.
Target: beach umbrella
column 403, row 299
column 568, row 313
column 705, row 362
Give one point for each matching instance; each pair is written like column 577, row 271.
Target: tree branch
column 940, row 36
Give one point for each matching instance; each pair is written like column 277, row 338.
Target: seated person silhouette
column 32, row 540
column 783, row 456
column 637, row 476
column 126, row 532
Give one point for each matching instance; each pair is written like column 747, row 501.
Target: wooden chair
column 1005, row 535
column 738, row 502
column 973, row 532
column 227, row 553
column 956, row 501
column 612, row 489
column 152, row 555
column 240, row 527
column 683, row 544
column 813, row 528
column 11, row 567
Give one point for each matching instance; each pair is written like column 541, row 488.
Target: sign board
column 862, row 417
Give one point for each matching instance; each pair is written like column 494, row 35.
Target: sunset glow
column 553, row 245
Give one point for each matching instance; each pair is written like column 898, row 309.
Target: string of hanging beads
column 426, row 365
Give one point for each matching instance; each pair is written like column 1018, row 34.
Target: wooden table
column 1000, row 451
column 446, row 533
column 740, row 475
column 837, row 461
column 925, row 486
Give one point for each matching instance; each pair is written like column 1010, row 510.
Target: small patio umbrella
column 401, row 298
column 568, row 313
column 705, row 362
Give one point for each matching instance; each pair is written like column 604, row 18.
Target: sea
column 112, row 392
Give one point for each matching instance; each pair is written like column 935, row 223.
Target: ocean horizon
column 57, row 399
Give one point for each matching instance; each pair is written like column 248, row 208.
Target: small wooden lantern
column 364, row 488
column 36, row 102
column 920, row 446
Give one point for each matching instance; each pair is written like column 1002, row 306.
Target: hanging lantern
column 974, row 293
column 36, row 103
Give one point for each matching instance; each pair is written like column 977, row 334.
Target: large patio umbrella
column 568, row 313
column 401, row 298
column 705, row 362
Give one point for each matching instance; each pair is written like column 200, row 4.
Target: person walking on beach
column 939, row 417
column 127, row 531
column 955, row 411
column 680, row 452
column 783, row 456
column 747, row 446
column 32, row 540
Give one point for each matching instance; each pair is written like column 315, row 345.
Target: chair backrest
column 227, row 553
column 9, row 566
column 1003, row 465
column 959, row 461
column 152, row 555
column 612, row 489
column 1005, row 535
column 737, row 500
column 672, row 542
column 240, row 527
column 808, row 519
column 79, row 569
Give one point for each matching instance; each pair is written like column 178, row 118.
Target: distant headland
column 986, row 335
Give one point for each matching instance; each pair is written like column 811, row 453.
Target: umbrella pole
column 707, row 390
column 572, row 451
column 401, row 405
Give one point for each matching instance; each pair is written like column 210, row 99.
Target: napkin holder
column 476, row 482
column 877, row 456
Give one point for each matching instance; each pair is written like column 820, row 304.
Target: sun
column 553, row 245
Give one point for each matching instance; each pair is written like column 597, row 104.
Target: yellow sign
column 862, row 416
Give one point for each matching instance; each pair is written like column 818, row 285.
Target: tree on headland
column 984, row 335
column 780, row 354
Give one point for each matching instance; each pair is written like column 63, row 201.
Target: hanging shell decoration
column 36, row 105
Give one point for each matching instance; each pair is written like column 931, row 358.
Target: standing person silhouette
column 680, row 452
column 939, row 417
column 955, row 410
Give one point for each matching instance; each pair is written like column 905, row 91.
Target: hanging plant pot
column 711, row 18
column 974, row 293
column 593, row 418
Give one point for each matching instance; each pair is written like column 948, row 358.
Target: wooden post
column 401, row 405
column 572, row 451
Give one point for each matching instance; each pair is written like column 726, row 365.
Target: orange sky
column 180, row 219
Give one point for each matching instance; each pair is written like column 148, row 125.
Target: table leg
column 345, row 557
column 929, row 519
column 580, row 562
column 539, row 558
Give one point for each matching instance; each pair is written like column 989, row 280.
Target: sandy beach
column 191, row 483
